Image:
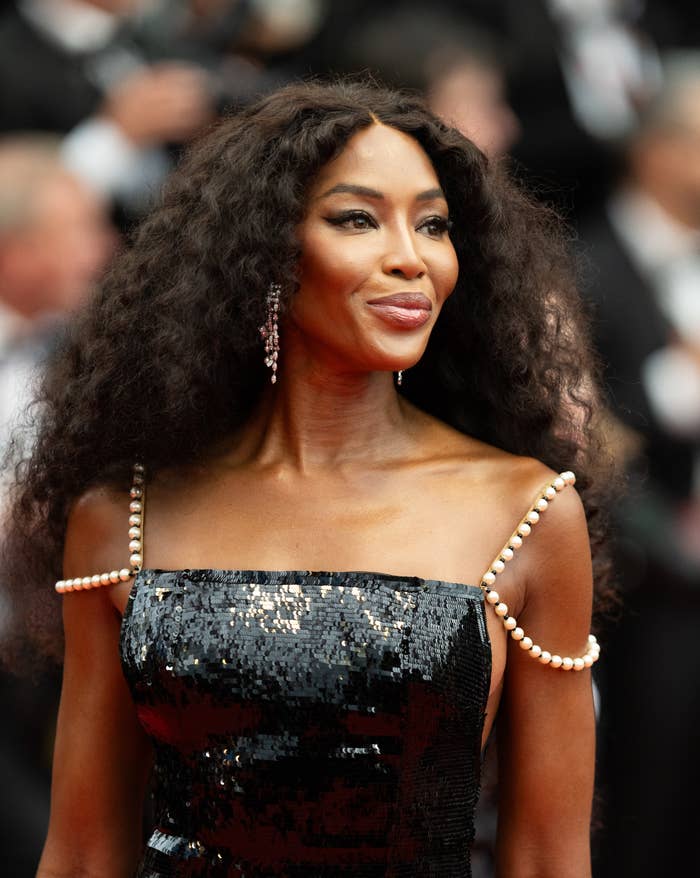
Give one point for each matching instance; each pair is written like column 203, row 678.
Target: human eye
column 436, row 226
column 356, row 220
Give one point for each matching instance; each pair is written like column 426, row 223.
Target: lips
column 402, row 310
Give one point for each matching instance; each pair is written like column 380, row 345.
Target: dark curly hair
column 166, row 361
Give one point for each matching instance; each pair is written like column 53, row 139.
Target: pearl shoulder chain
column 497, row 566
column 137, row 508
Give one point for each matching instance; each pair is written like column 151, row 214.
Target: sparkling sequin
column 309, row 724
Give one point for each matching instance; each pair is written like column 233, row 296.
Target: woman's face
column 377, row 262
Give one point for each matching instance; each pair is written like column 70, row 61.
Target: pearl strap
column 523, row 530
column 137, row 508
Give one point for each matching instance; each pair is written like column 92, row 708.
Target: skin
column 425, row 500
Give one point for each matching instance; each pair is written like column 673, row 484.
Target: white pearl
column 68, row 585
column 546, row 657
column 541, row 504
column 96, row 579
column 536, row 651
column 524, row 529
column 77, row 584
column 533, row 516
column 104, row 579
column 493, row 597
column 135, row 560
column 507, row 554
column 137, row 479
column 578, row 664
column 587, row 660
column 135, row 545
column 87, row 581
column 569, row 477
column 592, row 638
column 489, row 578
column 517, row 634
column 567, row 663
column 124, row 574
column 509, row 623
column 501, row 609
column 114, row 576
column 516, row 541
column 135, row 533
column 595, row 657
column 498, row 566
column 135, row 493
column 135, row 506
column 559, row 484
column 135, row 520
column 60, row 584
column 526, row 643
column 550, row 492
column 556, row 661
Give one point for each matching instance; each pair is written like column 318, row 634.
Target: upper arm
column 546, row 725
column 101, row 754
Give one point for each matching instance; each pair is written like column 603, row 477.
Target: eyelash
column 442, row 224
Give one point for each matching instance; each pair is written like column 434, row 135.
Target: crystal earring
column 269, row 331
column 399, row 377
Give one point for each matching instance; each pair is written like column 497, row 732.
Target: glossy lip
column 411, row 301
column 402, row 310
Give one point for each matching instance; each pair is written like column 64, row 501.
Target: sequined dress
column 308, row 724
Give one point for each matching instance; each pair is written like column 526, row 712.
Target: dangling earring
column 269, row 332
column 399, row 377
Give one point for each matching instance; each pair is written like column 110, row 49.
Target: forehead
column 381, row 158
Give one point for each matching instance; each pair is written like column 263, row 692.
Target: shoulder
column 97, row 533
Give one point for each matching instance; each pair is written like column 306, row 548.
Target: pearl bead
column 124, row 574
column 578, row 664
column 559, row 484
column 104, row 579
column 524, row 529
column 493, row 597
column 135, row 493
column 60, row 585
column 588, row 660
column 569, row 477
column 135, row 560
column 509, row 623
column 516, row 541
column 135, row 506
column 550, row 493
column 507, row 554
column 489, row 578
column 556, row 661
column 87, row 581
column 536, row 651
column 526, row 643
column 138, row 479
column 96, row 580
column 135, row 546
column 135, row 533
column 139, row 468
column 77, row 584
column 114, row 576
column 567, row 663
column 533, row 516
column 541, row 504
column 501, row 609
column 517, row 634
column 498, row 566
column 545, row 658
column 135, row 520
column 592, row 638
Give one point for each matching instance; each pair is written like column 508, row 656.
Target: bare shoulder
column 97, row 533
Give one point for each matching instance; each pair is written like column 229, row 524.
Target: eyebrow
column 365, row 191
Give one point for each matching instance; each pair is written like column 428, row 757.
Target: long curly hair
column 166, row 361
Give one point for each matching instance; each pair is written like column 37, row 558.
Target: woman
column 342, row 343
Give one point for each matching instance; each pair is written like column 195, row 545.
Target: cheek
column 328, row 264
column 445, row 272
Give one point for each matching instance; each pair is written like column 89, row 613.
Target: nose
column 402, row 258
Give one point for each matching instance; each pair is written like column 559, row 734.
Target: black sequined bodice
column 309, row 724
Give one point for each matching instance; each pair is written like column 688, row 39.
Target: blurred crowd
column 594, row 105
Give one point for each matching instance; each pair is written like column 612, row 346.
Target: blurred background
column 594, row 105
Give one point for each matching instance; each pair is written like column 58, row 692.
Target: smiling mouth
column 403, row 310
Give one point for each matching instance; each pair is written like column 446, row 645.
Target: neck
column 319, row 416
